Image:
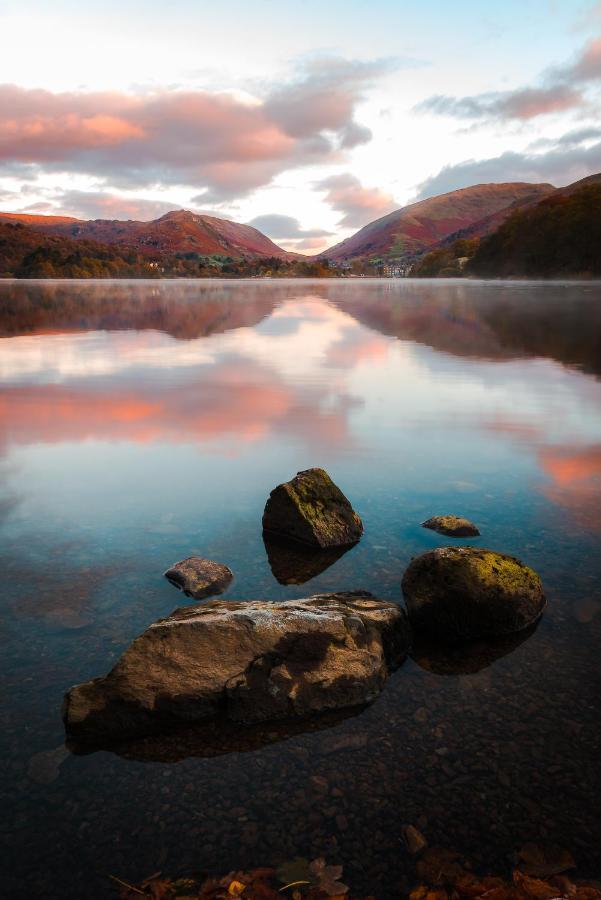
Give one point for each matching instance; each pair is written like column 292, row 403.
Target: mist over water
column 143, row 422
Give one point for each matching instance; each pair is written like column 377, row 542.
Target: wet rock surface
column 459, row 594
column 200, row 578
column 244, row 661
column 310, row 509
column 452, row 526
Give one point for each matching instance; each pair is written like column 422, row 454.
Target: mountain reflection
column 343, row 370
column 470, row 319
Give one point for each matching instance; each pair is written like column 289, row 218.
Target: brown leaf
column 438, row 866
column 414, row 840
column 326, row 878
column 545, row 861
column 533, row 887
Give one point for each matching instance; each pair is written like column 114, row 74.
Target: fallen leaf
column 294, row 870
column 326, row 877
column 414, row 840
column 533, row 887
column 545, row 861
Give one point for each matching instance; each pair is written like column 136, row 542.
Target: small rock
column 199, row 578
column 453, row 526
column 312, row 510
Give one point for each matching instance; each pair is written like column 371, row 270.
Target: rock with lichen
column 466, row 593
column 199, row 578
column 452, row 526
column 310, row 509
column 245, row 662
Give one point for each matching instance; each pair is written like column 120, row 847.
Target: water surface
column 142, row 422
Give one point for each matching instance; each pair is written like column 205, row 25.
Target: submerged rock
column 465, row 593
column 245, row 662
column 453, row 526
column 200, row 578
column 312, row 510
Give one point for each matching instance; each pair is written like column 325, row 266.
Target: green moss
column 485, row 567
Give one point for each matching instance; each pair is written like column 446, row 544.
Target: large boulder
column 244, row 661
column 465, row 593
column 200, row 578
column 312, row 510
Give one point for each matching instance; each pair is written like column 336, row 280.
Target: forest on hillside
column 27, row 253
column 560, row 236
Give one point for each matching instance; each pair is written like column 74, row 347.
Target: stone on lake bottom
column 452, row 526
column 200, row 578
column 312, row 510
column 465, row 593
column 246, row 662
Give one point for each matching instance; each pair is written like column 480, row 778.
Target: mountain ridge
column 420, row 226
column 177, row 231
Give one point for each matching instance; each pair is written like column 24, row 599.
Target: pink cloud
column 200, row 138
column 358, row 204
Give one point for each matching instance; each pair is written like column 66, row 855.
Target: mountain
column 179, row 231
column 560, row 236
column 423, row 225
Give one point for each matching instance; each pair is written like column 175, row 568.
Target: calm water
column 144, row 422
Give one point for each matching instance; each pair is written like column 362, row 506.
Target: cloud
column 104, row 205
column 562, row 90
column 567, row 160
column 285, row 228
column 358, row 205
column 523, row 104
column 588, row 66
column 215, row 141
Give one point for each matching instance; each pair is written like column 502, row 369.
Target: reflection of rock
column 294, row 564
column 247, row 662
column 219, row 737
column 312, row 510
column 44, row 767
column 199, row 578
column 468, row 658
column 464, row 593
column 453, row 526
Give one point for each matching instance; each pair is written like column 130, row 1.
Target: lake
column 143, row 422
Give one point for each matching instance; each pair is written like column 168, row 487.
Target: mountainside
column 27, row 253
column 425, row 224
column 560, row 236
column 176, row 232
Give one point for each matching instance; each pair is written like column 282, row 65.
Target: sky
column 305, row 118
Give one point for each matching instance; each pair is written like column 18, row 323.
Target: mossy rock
column 452, row 526
column 458, row 594
column 310, row 509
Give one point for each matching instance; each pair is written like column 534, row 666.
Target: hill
column 560, row 236
column 179, row 231
column 420, row 226
column 25, row 253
